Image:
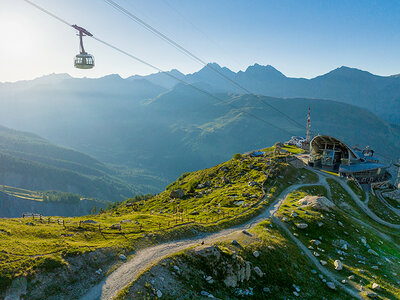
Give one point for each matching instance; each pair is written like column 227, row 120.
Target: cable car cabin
column 84, row 61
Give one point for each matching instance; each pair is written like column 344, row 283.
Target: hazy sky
column 300, row 38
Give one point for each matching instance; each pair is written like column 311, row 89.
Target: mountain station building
column 330, row 154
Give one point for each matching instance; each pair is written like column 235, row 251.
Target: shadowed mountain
column 379, row 94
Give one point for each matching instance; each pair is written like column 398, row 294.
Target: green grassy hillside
column 63, row 256
column 31, row 162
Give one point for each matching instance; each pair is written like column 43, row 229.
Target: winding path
column 359, row 203
column 145, row 258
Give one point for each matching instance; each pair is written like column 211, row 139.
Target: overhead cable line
column 193, row 56
column 160, row 70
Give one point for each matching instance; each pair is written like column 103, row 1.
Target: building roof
column 319, row 140
column 360, row 167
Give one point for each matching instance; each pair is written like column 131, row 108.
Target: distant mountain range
column 152, row 132
column 378, row 94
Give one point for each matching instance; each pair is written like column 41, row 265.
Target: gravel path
column 395, row 210
column 145, row 258
column 360, row 204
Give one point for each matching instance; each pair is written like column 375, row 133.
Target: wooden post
column 64, row 224
column 48, row 219
column 99, row 228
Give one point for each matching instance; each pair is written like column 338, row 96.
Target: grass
column 227, row 200
column 21, row 193
column 325, row 227
column 359, row 192
column 382, row 211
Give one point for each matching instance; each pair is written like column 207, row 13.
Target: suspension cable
column 160, row 70
column 193, row 56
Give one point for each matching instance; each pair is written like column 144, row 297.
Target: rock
column 344, row 247
column 177, row 269
column 126, row 221
column 224, row 169
column 247, row 233
column 252, row 183
column 99, row 271
column 209, row 280
column 284, row 219
column 296, row 294
column 344, row 281
column 177, row 194
column 320, row 224
column 17, row 289
column 331, row 285
column 159, row 294
column 315, row 242
column 122, row 257
column 376, row 287
column 116, row 226
column 207, row 294
column 231, row 281
column 236, row 243
column 90, row 222
column 317, row 203
column 338, row 265
column 266, row 290
column 363, row 240
column 371, row 294
column 294, row 214
column 30, row 224
column 351, row 277
column 323, row 262
column 340, row 224
column 256, row 254
column 313, row 272
column 370, row 251
column 258, row 271
column 301, row 225
column 297, row 288
column 316, row 254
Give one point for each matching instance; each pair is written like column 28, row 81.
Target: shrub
column 237, row 156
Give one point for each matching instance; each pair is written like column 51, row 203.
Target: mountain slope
column 31, row 162
column 270, row 228
column 378, row 94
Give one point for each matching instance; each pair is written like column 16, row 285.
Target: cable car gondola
column 83, row 60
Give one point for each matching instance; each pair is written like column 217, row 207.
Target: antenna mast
column 308, row 134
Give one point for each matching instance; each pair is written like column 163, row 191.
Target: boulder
column 284, row 219
column 177, row 194
column 323, row 262
column 116, row 226
column 256, row 254
column 252, row 183
column 317, row 203
column 338, row 265
column 90, row 222
column 17, row 289
column 376, row 287
column 258, row 271
column 331, row 285
column 231, row 281
column 370, row 251
column 302, row 225
column 159, row 294
column 122, row 257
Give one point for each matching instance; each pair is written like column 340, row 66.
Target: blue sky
column 299, row 38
